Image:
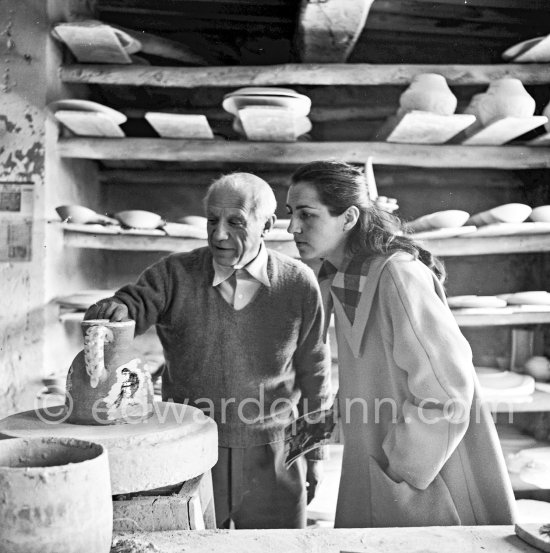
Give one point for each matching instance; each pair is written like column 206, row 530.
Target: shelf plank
column 489, row 245
column 415, row 155
column 448, row 247
column 540, row 402
column 337, row 74
column 502, row 319
column 131, row 242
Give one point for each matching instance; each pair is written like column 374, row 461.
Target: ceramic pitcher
column 428, row 92
column 107, row 383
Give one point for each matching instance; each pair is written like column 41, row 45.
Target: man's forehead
column 229, row 199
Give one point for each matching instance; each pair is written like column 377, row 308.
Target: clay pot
column 55, row 496
column 107, row 383
column 505, row 97
column 428, row 92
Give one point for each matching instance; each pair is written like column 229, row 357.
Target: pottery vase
column 428, row 92
column 55, row 496
column 107, row 383
column 505, row 97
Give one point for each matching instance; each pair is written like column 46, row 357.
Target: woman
column 419, row 448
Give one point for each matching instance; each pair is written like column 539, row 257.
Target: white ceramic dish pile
column 139, row 219
column 79, row 214
column 451, row 218
column 268, row 113
column 536, row 297
column 507, row 213
column 541, row 214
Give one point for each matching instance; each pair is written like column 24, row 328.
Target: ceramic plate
column 541, row 214
column 87, row 105
column 532, row 50
column 299, row 105
column 443, row 233
column 475, row 301
column 507, row 213
column 263, row 91
column 450, row 218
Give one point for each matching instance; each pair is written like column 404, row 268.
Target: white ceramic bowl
column 541, row 214
column 507, row 213
column 450, row 218
column 137, row 218
column 79, row 214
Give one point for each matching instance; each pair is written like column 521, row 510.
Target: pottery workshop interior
column 115, row 118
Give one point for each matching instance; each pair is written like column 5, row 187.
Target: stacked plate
column 272, row 114
column 441, row 224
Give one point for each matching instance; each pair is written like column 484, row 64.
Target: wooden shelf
column 540, row 402
column 133, row 242
column 449, row 247
column 383, row 153
column 336, row 74
column 522, row 318
column 489, row 245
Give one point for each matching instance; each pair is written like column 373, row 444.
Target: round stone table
column 178, row 443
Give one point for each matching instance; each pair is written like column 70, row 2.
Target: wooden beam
column 298, row 74
column 154, row 13
column 383, row 153
column 433, row 25
column 329, row 29
column 394, row 177
column 526, row 17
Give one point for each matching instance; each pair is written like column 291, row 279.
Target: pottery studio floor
column 321, row 510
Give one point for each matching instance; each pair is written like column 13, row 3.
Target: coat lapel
column 353, row 326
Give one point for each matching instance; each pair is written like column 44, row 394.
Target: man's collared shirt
column 239, row 285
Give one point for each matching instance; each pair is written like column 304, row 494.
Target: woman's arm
column 428, row 345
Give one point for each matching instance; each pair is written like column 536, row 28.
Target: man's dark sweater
column 248, row 369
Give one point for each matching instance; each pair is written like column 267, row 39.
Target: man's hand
column 313, row 478
column 108, row 308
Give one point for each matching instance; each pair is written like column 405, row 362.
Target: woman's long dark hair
column 339, row 186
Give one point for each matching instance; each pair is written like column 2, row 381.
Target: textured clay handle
column 94, row 340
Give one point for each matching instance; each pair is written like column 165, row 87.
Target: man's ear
column 269, row 224
column 351, row 216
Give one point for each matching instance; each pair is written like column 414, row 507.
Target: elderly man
column 241, row 327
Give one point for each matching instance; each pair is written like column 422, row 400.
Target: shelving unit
column 442, row 247
column 205, row 153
